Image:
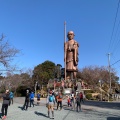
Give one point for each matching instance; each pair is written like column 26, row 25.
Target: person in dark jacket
column 27, row 99
column 6, row 99
column 78, row 107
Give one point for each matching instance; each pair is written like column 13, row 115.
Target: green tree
column 43, row 72
column 58, row 71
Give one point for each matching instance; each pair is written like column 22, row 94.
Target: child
column 69, row 101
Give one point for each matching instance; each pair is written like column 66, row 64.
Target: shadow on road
column 67, row 108
column 41, row 114
column 20, row 107
column 109, row 105
column 113, row 118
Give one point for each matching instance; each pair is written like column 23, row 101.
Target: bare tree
column 7, row 54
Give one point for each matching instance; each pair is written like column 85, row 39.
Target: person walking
column 38, row 98
column 11, row 97
column 78, row 107
column 27, row 99
column 6, row 100
column 59, row 101
column 68, row 101
column 81, row 97
column 32, row 98
column 72, row 99
column 50, row 104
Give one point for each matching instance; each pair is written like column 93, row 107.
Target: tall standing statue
column 71, row 56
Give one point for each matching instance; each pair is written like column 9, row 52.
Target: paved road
column 90, row 111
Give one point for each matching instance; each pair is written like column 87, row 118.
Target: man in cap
column 27, row 99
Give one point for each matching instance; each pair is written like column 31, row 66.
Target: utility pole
column 100, row 81
column 36, row 87
column 109, row 67
column 65, row 48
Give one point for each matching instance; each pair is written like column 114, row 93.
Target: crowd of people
column 73, row 100
column 29, row 99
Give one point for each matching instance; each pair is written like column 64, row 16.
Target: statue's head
column 70, row 35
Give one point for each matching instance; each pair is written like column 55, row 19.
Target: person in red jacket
column 59, row 100
column 68, row 101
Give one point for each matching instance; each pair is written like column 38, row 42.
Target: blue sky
column 36, row 27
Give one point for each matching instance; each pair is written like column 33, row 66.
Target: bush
column 2, row 91
column 89, row 96
column 20, row 91
column 88, row 91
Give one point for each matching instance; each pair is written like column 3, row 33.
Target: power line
column 114, row 25
column 115, row 62
column 115, row 48
column 116, row 37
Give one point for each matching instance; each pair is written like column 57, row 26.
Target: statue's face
column 70, row 35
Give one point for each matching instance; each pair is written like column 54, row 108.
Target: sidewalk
column 40, row 113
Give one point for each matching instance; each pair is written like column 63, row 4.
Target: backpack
column 11, row 95
column 50, row 98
